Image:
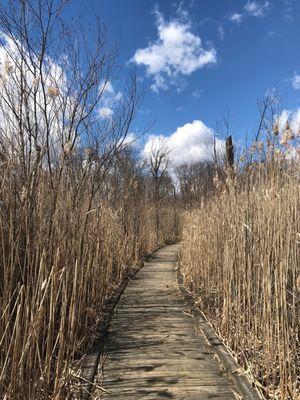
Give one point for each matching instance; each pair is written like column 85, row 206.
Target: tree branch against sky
column 109, row 150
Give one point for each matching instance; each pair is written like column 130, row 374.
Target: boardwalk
column 154, row 349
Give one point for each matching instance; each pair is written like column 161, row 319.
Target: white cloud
column 255, row 9
column 110, row 98
column 177, row 52
column 293, row 117
column 236, row 17
column 296, row 82
column 129, row 141
column 190, row 143
column 295, row 122
column 250, row 9
column 53, row 122
column 282, row 120
column 153, row 144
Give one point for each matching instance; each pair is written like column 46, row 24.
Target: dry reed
column 61, row 257
column 240, row 257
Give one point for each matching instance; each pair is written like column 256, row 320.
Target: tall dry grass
column 62, row 254
column 240, row 257
column 75, row 202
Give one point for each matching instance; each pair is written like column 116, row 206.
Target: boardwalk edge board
column 229, row 364
column 91, row 359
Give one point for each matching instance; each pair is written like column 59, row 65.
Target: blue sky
column 225, row 56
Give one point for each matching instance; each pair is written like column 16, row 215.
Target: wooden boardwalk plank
column 154, row 349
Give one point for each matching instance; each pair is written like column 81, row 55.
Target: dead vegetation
column 240, row 257
column 76, row 210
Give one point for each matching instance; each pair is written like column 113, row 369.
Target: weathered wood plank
column 154, row 348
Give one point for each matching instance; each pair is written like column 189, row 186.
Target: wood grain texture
column 154, row 349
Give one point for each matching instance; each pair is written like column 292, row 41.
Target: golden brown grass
column 61, row 256
column 240, row 257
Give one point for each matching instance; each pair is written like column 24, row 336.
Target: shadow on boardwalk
column 154, row 349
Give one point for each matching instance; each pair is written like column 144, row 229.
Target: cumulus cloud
column 52, row 121
column 52, row 114
column 177, row 52
column 296, row 82
column 190, row 143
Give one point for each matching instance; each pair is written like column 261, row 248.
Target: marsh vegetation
column 79, row 208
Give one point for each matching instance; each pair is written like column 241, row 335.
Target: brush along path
column 154, row 349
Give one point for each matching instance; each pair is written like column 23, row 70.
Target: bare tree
column 53, row 85
column 159, row 163
column 56, row 149
column 196, row 181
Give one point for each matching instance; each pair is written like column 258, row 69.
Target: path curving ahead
column 154, row 348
